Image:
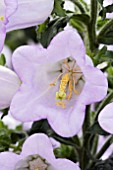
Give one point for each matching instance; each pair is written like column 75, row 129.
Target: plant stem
column 92, row 25
column 83, row 154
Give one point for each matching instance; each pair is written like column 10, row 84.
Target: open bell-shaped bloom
column 37, row 154
column 105, row 118
column 17, row 14
column 57, row 83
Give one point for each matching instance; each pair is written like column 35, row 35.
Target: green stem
column 83, row 154
column 92, row 25
column 66, row 141
column 95, row 144
column 104, row 103
column 79, row 5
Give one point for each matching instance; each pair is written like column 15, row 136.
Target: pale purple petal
column 8, row 160
column 95, row 84
column 105, row 118
column 2, row 35
column 67, row 43
column 24, row 106
column 2, row 8
column 67, row 122
column 11, row 7
column 38, row 144
column 30, row 13
column 24, row 56
column 89, row 61
column 64, row 164
column 9, row 84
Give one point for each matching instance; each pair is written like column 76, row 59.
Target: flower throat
column 68, row 82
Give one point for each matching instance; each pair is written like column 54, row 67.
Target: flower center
column 2, row 18
column 69, row 78
column 34, row 162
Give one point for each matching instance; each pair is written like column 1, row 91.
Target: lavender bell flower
column 105, row 118
column 17, row 14
column 57, row 83
column 35, row 156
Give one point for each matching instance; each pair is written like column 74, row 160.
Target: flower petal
column 30, row 13
column 64, row 164
column 11, row 7
column 95, row 84
column 2, row 35
column 38, row 144
column 71, row 118
column 105, row 118
column 9, row 84
column 8, row 160
column 22, row 60
column 24, row 106
column 67, row 43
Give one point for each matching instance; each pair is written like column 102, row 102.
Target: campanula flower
column 57, row 83
column 37, row 154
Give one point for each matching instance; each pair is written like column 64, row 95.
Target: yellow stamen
column 64, row 81
column 2, row 18
column 61, row 95
column 70, row 90
column 63, row 105
column 54, row 82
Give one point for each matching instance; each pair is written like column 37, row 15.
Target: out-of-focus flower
column 106, row 118
column 37, row 154
column 17, row 14
column 9, row 84
column 57, row 83
column 69, row 6
column 10, row 121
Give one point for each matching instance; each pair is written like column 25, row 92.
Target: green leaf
column 65, row 151
column 2, row 60
column 84, row 18
column 45, row 35
column 58, row 8
column 5, row 112
column 4, row 140
column 106, row 34
column 96, row 129
column 41, row 126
